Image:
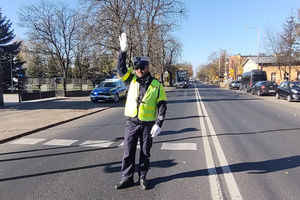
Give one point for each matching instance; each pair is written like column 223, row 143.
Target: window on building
column 273, row 77
column 286, row 76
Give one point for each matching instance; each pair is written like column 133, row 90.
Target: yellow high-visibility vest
column 148, row 107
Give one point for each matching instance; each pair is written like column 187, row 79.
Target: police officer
column 145, row 108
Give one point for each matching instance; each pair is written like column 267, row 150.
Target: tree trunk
column 65, row 84
column 1, row 86
column 171, row 79
column 290, row 71
column 162, row 78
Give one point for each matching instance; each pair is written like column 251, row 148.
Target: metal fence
column 54, row 84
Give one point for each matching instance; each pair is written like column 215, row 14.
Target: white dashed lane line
column 179, row 146
column 27, row 141
column 99, row 143
column 60, row 142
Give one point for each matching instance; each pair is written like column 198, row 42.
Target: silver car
column 234, row 85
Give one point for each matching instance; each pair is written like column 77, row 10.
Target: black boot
column 124, row 184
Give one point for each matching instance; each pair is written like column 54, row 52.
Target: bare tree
column 273, row 45
column 170, row 52
column 52, row 30
column 284, row 45
column 143, row 21
column 289, row 43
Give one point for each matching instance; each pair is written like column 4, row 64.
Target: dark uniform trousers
column 133, row 132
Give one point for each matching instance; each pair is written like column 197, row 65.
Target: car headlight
column 112, row 92
column 294, row 91
column 95, row 93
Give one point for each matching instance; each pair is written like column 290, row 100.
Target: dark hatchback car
column 234, row 85
column 110, row 89
column 264, row 88
column 289, row 90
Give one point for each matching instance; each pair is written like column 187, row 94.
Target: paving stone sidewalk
column 20, row 119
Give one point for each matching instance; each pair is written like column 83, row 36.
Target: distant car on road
column 289, row 90
column 264, row 87
column 110, row 89
column 234, row 85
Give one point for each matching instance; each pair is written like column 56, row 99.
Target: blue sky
column 211, row 24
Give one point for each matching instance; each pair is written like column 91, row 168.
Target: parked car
column 289, row 90
column 234, row 85
column 264, row 87
column 110, row 89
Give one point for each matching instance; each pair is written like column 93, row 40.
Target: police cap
column 141, row 60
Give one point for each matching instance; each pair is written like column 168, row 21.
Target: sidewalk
column 21, row 119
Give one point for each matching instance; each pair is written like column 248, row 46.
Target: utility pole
column 219, row 66
column 11, row 73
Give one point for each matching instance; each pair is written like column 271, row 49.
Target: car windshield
column 107, row 84
column 260, row 77
column 295, row 85
column 270, row 83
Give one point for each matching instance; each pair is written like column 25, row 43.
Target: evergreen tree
column 8, row 54
column 36, row 67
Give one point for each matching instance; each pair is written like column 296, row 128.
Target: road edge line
column 215, row 188
column 229, row 178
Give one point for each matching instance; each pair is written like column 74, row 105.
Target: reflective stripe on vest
column 148, row 106
column 125, row 77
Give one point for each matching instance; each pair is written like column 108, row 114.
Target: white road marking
column 27, row 141
column 101, row 143
column 122, row 145
column 97, row 143
column 214, row 182
column 179, row 146
column 60, row 142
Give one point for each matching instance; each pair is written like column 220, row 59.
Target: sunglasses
column 142, row 67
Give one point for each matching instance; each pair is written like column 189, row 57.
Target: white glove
column 123, row 42
column 155, row 130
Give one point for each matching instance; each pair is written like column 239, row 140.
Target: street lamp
column 257, row 45
column 219, row 67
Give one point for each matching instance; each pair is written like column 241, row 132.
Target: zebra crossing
column 97, row 143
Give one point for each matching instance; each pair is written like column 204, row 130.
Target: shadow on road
column 259, row 167
column 254, row 168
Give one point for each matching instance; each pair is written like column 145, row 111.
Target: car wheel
column 252, row 91
column 259, row 93
column 116, row 98
column 277, row 96
column 94, row 101
column 289, row 98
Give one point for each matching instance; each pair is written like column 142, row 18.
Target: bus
column 251, row 78
column 182, row 78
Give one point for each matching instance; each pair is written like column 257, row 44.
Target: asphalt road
column 215, row 144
